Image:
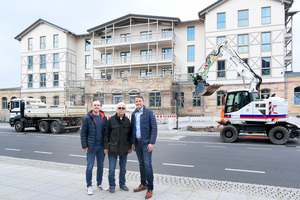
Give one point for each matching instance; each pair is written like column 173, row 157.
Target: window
column 243, row 43
column 43, row 61
column 106, row 59
column 43, row 80
column 243, row 17
column 221, row 20
column 167, row 33
column 296, row 96
column 266, row 15
column 30, row 80
column 56, row 100
column 56, row 79
column 191, row 70
column 4, row 103
column 265, row 67
column 88, row 44
column 164, row 70
column 88, row 75
column 191, row 53
column 43, row 99
column 220, row 39
column 221, row 69
column 145, row 35
column 132, row 97
column 154, row 99
column 30, row 62
column 125, row 57
column 196, row 100
column 106, row 40
column 167, row 53
column 55, row 60
column 264, row 94
column 43, row 42
column 146, row 55
column 266, row 41
column 145, row 72
column 30, row 44
column 55, row 41
column 117, row 98
column 87, row 62
column 236, row 100
column 106, row 76
column 191, row 33
column 220, row 99
column 100, row 97
column 125, row 37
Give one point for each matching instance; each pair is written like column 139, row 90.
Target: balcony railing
column 165, row 57
column 134, row 38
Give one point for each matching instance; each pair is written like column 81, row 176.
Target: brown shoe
column 148, row 194
column 140, row 188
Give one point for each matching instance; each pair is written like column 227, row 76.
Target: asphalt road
column 176, row 153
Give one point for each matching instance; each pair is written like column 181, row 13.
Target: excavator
column 243, row 112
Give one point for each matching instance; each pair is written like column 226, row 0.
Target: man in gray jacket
column 117, row 142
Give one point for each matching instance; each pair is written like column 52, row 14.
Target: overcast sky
column 79, row 15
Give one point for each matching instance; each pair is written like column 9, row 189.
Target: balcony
column 164, row 38
column 161, row 59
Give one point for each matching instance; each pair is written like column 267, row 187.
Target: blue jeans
column 90, row 158
column 145, row 160
column 112, row 167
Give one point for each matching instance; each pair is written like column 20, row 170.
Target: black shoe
column 112, row 189
column 123, row 187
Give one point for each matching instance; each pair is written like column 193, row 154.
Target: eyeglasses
column 121, row 108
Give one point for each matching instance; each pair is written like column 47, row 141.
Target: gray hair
column 120, row 104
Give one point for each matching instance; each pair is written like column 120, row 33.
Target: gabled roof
column 288, row 4
column 124, row 20
column 35, row 24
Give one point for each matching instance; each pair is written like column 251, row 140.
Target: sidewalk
column 33, row 179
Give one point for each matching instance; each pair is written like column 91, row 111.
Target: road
column 179, row 153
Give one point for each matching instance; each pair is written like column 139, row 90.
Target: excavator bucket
column 204, row 89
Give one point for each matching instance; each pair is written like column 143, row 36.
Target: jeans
column 112, row 167
column 145, row 160
column 90, row 158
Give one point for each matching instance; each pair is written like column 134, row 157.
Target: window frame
column 265, row 17
column 55, row 81
column 30, row 44
column 223, row 70
column 87, row 61
column 196, row 100
column 43, row 42
column 267, row 68
column 43, row 99
column 243, row 19
column 4, row 103
column 155, row 99
column 56, row 60
column 190, row 35
column 30, row 83
column 244, row 48
column 56, row 100
column 297, row 95
column 220, row 99
column 222, row 39
column 56, row 41
column 190, row 54
column 266, row 43
column 30, row 62
column 43, row 63
column 43, row 80
column 221, row 22
column 88, row 47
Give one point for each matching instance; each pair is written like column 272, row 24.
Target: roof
column 291, row 73
column 122, row 21
column 14, row 88
column 35, row 24
column 288, row 3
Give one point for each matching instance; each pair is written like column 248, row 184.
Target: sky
column 78, row 16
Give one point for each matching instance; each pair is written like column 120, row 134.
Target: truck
column 243, row 110
column 30, row 112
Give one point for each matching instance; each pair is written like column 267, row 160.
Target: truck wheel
column 44, row 127
column 279, row 135
column 18, row 127
column 55, row 127
column 229, row 134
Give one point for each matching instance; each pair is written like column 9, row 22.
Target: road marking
column 215, row 146
column 177, row 144
column 178, row 165
column 135, row 161
column 43, row 152
column 259, row 148
column 8, row 149
column 241, row 170
column 74, row 155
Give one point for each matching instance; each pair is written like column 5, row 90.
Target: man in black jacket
column 117, row 142
column 91, row 136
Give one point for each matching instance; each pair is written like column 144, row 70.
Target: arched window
column 56, row 100
column 296, row 96
column 13, row 98
column 4, row 103
column 220, row 100
column 264, row 93
column 43, row 99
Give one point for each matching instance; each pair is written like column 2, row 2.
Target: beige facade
column 7, row 94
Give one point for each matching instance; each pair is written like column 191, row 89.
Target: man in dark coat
column 117, row 142
column 91, row 136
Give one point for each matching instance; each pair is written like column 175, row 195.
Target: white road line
column 178, row 165
column 8, row 149
column 215, row 146
column 241, row 170
column 80, row 156
column 135, row 161
column 43, row 152
column 259, row 148
column 178, row 144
